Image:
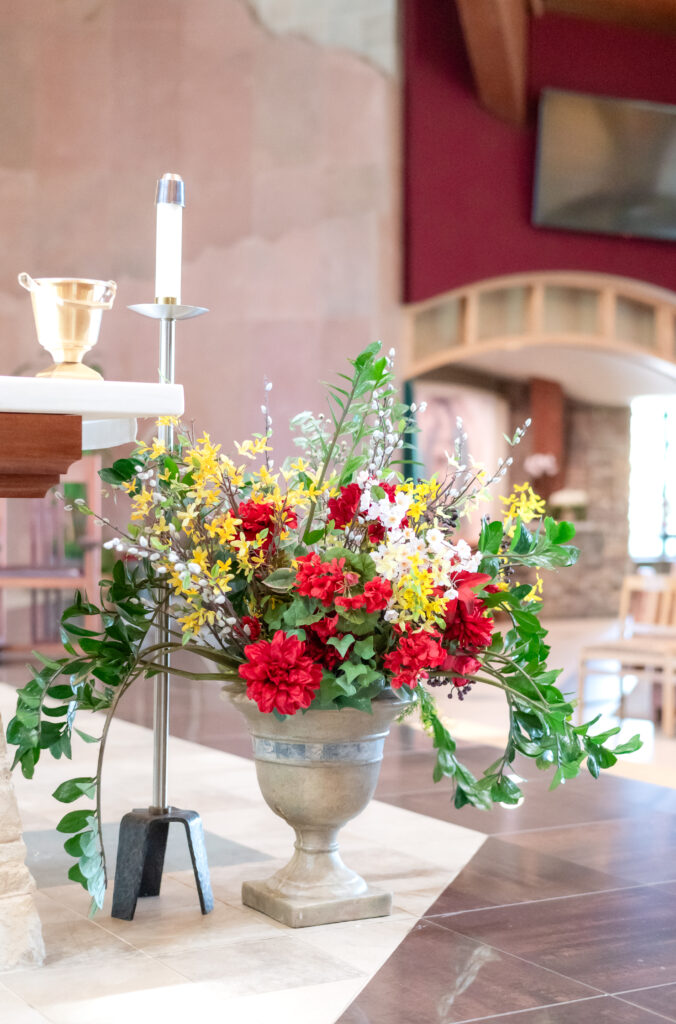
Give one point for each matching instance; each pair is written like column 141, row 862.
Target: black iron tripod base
column 140, row 857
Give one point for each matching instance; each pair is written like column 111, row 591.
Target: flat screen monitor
column 606, row 165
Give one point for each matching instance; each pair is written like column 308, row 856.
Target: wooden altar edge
column 35, row 450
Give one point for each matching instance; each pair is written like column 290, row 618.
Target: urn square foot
column 303, row 912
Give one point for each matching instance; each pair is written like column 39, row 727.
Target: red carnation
column 415, row 653
column 377, row 593
column 262, row 515
column 471, row 630
column 344, row 508
column 463, row 663
column 279, row 675
column 322, row 580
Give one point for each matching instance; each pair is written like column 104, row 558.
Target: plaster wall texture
column 366, row 27
column 288, row 144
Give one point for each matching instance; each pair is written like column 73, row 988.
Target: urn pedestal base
column 303, row 912
column 317, row 771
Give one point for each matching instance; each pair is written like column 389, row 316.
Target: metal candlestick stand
column 143, row 832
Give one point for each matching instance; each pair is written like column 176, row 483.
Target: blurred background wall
column 282, row 118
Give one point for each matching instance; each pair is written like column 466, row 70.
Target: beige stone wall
column 598, row 454
column 287, row 137
column 20, row 930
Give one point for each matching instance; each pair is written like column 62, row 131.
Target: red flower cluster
column 344, row 508
column 261, row 515
column 323, row 580
column 470, row 630
column 467, row 626
column 328, row 582
column 416, row 652
column 317, row 636
column 377, row 592
column 279, row 675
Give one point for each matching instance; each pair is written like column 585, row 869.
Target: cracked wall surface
column 288, row 144
column 366, row 27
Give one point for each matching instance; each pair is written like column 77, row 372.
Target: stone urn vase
column 317, row 770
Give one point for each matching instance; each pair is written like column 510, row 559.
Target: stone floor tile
column 609, row 940
column 439, row 975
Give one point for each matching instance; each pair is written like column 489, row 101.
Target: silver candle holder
column 144, row 831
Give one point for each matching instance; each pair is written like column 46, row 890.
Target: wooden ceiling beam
column 654, row 15
column 496, row 36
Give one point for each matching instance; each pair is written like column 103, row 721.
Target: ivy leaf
column 364, row 648
column 341, row 644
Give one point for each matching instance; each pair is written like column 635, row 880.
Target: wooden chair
column 646, row 646
column 48, row 571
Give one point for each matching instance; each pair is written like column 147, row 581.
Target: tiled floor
column 562, row 911
column 233, row 964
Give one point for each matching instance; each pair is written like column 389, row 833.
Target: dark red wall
column 468, row 176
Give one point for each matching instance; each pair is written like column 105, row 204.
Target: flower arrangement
column 316, row 585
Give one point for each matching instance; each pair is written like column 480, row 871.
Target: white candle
column 170, row 200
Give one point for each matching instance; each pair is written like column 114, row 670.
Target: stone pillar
column 20, row 929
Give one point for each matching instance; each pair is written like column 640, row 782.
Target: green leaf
column 280, row 580
column 28, row 717
column 314, row 535
column 522, row 541
column 48, row 662
column 333, row 686
column 593, row 765
column 505, row 791
column 73, row 789
column 353, row 671
column 97, row 891
column 74, row 821
column 90, row 865
column 490, row 537
column 76, row 875
column 558, row 533
column 635, row 743
column 60, row 692
column 84, row 844
column 86, row 737
column 171, row 467
column 364, row 648
column 341, row 644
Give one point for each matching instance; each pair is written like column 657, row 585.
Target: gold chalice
column 67, row 313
